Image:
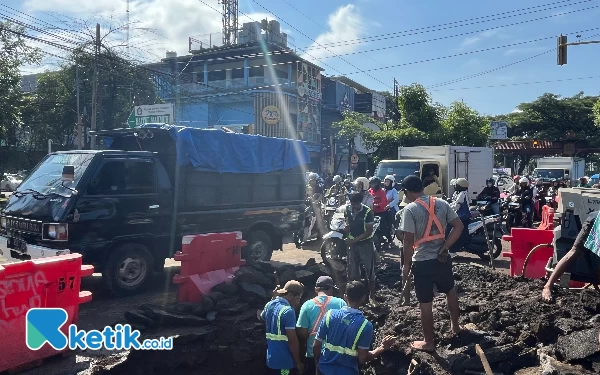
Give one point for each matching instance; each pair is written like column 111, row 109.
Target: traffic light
column 562, row 49
column 535, row 143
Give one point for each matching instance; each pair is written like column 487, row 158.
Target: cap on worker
column 412, row 183
column 324, row 282
column 294, row 287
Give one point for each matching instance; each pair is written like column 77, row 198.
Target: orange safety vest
column 322, row 310
column 432, row 219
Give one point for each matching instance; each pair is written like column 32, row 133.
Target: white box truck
column 567, row 168
column 476, row 164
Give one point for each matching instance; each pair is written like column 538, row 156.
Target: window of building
column 216, row 76
column 119, row 177
column 257, row 71
column 237, row 73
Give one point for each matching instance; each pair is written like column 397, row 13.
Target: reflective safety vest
column 322, row 310
column 278, row 336
column 431, row 219
column 360, row 216
column 340, row 349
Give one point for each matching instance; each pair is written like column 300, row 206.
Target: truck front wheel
column 128, row 269
column 260, row 246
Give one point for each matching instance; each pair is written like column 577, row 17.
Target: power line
column 441, row 27
column 517, row 84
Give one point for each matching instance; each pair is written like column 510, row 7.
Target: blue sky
column 331, row 22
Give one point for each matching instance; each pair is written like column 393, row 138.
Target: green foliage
column 596, row 111
column 464, row 126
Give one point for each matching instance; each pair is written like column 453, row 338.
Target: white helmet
column 462, row 182
column 364, row 181
column 391, row 178
column 337, row 179
column 524, row 180
column 453, row 182
column 313, row 177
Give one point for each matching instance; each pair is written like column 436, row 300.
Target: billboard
column 499, row 130
column 153, row 113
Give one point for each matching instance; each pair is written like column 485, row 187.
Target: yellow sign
column 271, row 115
column 354, row 158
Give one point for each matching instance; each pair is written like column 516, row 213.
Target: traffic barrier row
column 46, row 282
column 207, row 260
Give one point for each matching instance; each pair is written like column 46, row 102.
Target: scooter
column 331, row 205
column 485, row 236
column 334, row 250
column 516, row 216
column 310, row 230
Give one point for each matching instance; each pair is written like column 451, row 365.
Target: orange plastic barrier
column 207, row 260
column 45, row 282
column 547, row 218
column 522, row 240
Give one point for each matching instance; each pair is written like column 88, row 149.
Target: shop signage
column 271, row 115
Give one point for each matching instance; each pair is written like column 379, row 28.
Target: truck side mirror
column 68, row 173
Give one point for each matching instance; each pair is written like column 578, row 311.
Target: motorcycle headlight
column 331, row 202
column 515, row 199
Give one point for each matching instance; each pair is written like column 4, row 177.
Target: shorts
column 270, row 371
column 362, row 252
column 432, row 272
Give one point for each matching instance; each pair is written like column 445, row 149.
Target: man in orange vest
column 312, row 313
column 426, row 251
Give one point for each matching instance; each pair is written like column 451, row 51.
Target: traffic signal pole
column 562, row 48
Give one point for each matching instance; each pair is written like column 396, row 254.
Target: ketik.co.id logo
column 44, row 326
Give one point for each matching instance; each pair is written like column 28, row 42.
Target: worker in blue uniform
column 344, row 337
column 283, row 348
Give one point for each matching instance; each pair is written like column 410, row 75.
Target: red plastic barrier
column 45, row 282
column 547, row 218
column 192, row 288
column 207, row 260
column 522, row 240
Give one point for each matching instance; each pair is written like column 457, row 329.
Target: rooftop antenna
column 230, row 22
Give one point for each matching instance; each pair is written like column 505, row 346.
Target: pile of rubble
column 221, row 334
column 518, row 332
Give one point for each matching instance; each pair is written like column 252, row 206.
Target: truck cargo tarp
column 218, row 151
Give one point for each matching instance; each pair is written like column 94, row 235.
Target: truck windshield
column 47, row 177
column 399, row 169
column 549, row 173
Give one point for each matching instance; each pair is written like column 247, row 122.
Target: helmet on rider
column 337, row 179
column 490, row 182
column 461, row 184
column 347, row 182
column 361, row 184
column 313, row 177
column 539, row 181
column 392, row 181
column 584, row 180
column 516, row 179
column 375, row 183
column 524, row 182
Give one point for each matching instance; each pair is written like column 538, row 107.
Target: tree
column 14, row 54
column 464, row 126
column 418, row 110
column 596, row 111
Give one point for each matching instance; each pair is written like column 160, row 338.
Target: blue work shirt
column 279, row 316
column 342, row 333
column 309, row 312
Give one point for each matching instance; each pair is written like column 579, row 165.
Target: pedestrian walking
column 345, row 335
column 426, row 251
column 312, row 313
column 283, row 348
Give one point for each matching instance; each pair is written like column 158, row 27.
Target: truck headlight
column 3, row 222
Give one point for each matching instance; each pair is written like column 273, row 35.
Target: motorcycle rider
column 361, row 186
column 460, row 204
column 539, row 196
column 491, row 193
column 393, row 198
column 338, row 190
column 314, row 193
column 348, row 186
column 313, row 186
column 525, row 192
column 584, row 182
column 515, row 186
column 380, row 207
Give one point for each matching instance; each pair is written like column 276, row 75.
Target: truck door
column 121, row 203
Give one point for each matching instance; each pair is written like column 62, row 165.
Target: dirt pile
column 504, row 315
column 219, row 335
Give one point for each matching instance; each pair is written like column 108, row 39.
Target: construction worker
column 283, row 348
column 344, row 336
column 311, row 314
column 588, row 239
column 359, row 238
column 426, row 252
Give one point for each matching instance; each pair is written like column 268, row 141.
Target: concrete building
column 260, row 82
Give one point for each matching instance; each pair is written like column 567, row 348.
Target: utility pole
column 93, row 124
column 562, row 47
column 80, row 136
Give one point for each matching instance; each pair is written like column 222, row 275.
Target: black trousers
column 384, row 226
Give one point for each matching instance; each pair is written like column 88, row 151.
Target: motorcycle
column 330, row 206
column 310, row 230
column 485, row 235
column 334, row 250
column 483, row 206
column 516, row 216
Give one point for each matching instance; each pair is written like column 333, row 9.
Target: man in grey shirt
column 423, row 224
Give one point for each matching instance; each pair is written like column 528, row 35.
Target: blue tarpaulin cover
column 218, row 151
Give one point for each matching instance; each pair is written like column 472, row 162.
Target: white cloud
column 346, row 23
column 469, row 41
column 157, row 25
column 473, row 62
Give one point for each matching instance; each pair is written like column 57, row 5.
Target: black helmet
column 375, row 181
column 491, row 179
